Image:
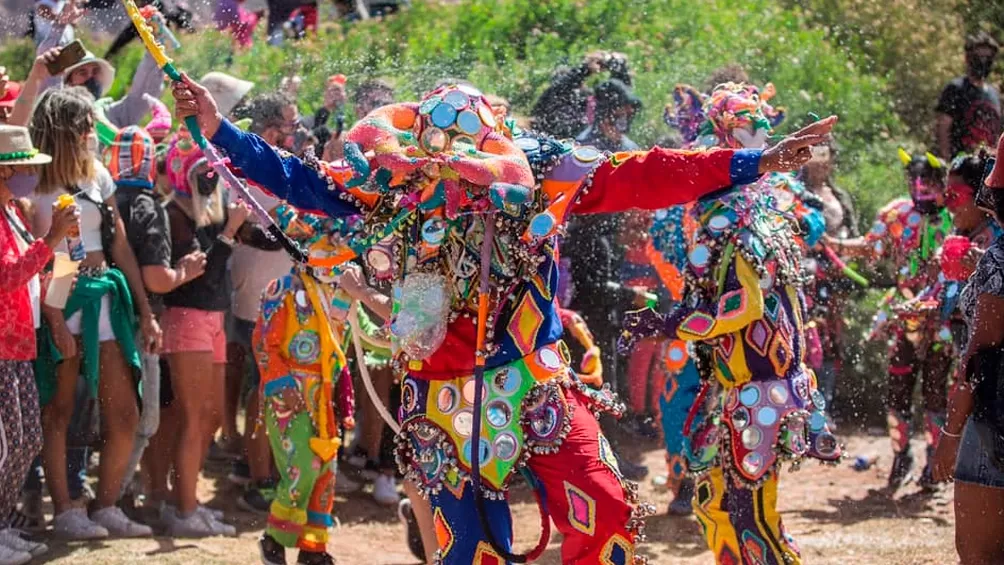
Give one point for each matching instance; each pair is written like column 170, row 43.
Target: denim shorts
column 974, row 465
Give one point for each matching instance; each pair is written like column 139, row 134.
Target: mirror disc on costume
column 507, row 381
column 549, row 359
column 545, row 421
column 586, row 154
column 464, row 144
column 741, row 418
column 429, row 105
column 826, row 444
column 443, row 116
column 778, row 393
column 818, row 400
column 457, row 99
column 434, row 140
column 463, row 423
column 541, row 224
column 699, row 256
column 719, row 222
column 447, row 399
column 749, row 395
column 527, row 144
column 470, row 90
column 378, row 258
column 752, row 437
column 766, row 416
column 753, row 463
column 433, row 231
column 506, row 447
column 817, row 421
column 487, row 116
column 484, row 453
column 498, row 413
column 469, row 122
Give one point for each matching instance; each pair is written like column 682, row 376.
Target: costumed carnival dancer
column 743, row 297
column 450, row 204
column 908, row 233
column 305, row 386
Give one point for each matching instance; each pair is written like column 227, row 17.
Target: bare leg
column 236, row 360
column 55, row 422
column 979, row 530
column 189, row 372
column 256, row 441
column 120, row 418
column 373, row 424
column 159, row 456
column 423, row 514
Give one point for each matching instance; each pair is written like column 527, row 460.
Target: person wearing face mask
column 94, row 334
column 907, row 233
column 25, row 258
column 195, row 344
column 616, row 107
column 969, row 109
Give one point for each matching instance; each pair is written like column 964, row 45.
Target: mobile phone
column 68, row 56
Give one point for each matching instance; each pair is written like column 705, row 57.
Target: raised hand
column 193, row 99
column 794, row 151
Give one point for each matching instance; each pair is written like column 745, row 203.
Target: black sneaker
column 257, row 499
column 272, row 552
column 902, row 468
column 927, row 482
column 311, row 558
column 413, row 535
column 240, row 473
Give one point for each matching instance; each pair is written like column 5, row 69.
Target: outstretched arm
column 665, row 177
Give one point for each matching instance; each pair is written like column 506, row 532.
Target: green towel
column 86, row 299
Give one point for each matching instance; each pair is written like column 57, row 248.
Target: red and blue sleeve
column 660, row 178
column 286, row 176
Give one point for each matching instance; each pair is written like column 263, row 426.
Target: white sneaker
column 199, row 525
column 345, row 485
column 212, row 512
column 12, row 539
column 385, row 490
column 119, row 525
column 9, row 556
column 74, row 524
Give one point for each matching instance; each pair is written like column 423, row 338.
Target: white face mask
column 755, row 140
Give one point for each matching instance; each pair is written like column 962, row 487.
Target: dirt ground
column 836, row 515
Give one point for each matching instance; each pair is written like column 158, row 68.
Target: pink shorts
column 190, row 329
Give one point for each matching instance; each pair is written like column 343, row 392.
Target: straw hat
column 226, row 90
column 107, row 77
column 16, row 148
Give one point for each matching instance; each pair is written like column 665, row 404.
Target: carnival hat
column 996, row 177
column 226, row 90
column 106, row 77
column 16, row 148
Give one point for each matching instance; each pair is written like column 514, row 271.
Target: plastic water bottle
column 73, row 241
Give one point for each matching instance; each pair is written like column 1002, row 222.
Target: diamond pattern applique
column 484, row 555
column 525, row 324
column 542, row 278
column 754, row 549
column 780, row 354
column 581, row 509
column 698, row 323
column 617, row 551
column 758, row 336
column 726, row 344
column 731, row 304
column 771, row 305
column 444, row 534
column 607, row 456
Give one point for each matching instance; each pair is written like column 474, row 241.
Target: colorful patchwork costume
column 907, row 234
column 305, row 389
column 454, row 212
column 743, row 297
